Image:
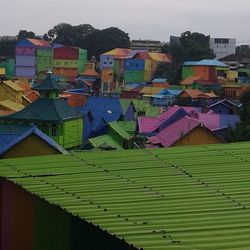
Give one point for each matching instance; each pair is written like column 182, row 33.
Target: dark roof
column 245, row 61
column 44, row 110
column 229, row 58
column 48, row 84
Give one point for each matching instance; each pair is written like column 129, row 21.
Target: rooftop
column 195, row 197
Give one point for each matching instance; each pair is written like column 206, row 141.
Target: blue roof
column 9, row 140
column 167, row 92
column 159, row 80
column 106, row 108
column 205, row 62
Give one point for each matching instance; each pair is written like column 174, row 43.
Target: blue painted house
column 166, row 97
column 224, row 107
column 97, row 113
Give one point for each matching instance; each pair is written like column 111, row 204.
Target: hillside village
column 109, row 153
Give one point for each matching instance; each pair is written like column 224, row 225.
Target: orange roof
column 208, row 95
column 160, row 57
column 161, row 84
column 90, row 72
column 39, row 42
column 6, row 112
column 190, row 80
column 193, row 93
column 32, row 95
column 118, row 52
column 24, row 85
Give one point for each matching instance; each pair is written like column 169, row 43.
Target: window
column 53, row 130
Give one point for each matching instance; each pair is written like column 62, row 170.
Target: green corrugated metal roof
column 128, row 126
column 194, row 197
column 105, row 141
column 144, row 105
column 118, row 129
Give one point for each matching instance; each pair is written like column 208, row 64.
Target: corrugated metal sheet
column 181, row 198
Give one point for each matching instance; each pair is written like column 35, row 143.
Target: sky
column 142, row 19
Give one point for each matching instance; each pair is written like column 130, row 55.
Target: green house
column 52, row 115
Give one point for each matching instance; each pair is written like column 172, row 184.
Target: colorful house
column 117, row 138
column 33, row 57
column 205, row 69
column 104, row 200
column 69, row 61
column 51, row 115
column 130, row 66
column 166, row 97
column 128, row 109
column 22, row 141
column 9, row 90
column 149, row 126
column 8, row 65
column 224, row 107
column 183, row 132
column 97, row 113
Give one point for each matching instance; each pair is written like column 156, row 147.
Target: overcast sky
column 145, row 19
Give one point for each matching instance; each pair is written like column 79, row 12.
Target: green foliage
column 87, row 37
column 7, row 48
column 192, row 47
column 243, row 51
column 23, row 34
column 242, row 131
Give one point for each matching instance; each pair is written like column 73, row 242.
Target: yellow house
column 9, row 90
column 19, row 140
column 185, row 131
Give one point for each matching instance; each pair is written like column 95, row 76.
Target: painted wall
column 25, row 60
column 24, row 50
column 198, row 136
column 107, row 75
column 206, row 73
column 66, row 52
column 30, row 223
column 29, row 72
column 30, row 146
column 106, row 61
column 134, row 64
column 72, row 132
column 134, row 76
column 187, row 71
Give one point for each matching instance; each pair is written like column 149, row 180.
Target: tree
column 243, row 51
column 23, row 34
column 101, row 41
column 242, row 131
column 192, row 47
column 87, row 37
column 61, row 33
column 7, row 48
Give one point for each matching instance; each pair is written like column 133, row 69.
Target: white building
column 223, row 46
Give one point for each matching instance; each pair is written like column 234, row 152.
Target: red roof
column 174, row 132
column 39, row 42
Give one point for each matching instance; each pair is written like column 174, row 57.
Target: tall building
column 151, row 45
column 223, row 46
